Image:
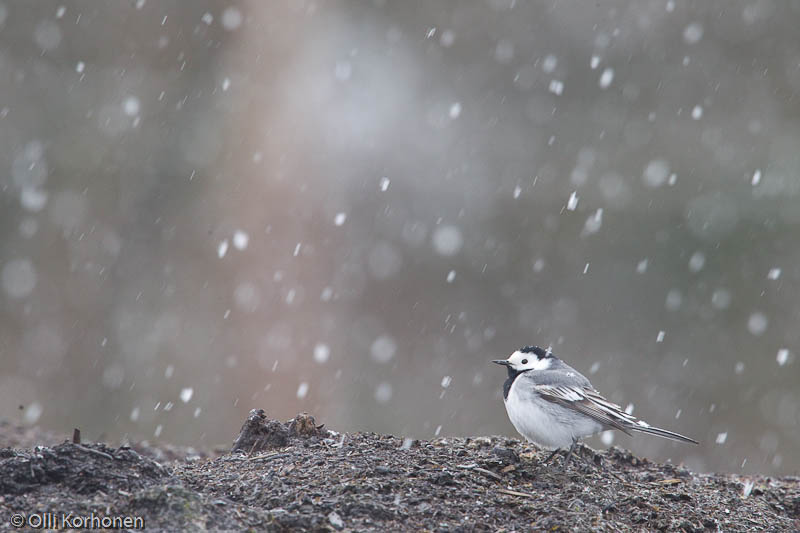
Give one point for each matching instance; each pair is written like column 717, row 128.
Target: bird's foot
column 553, row 454
column 576, row 450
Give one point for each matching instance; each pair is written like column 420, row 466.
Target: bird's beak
column 503, row 362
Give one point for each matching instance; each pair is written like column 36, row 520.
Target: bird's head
column 527, row 358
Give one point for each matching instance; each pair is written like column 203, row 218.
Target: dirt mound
column 84, row 469
column 295, row 475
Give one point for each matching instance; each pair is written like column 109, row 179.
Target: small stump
column 260, row 433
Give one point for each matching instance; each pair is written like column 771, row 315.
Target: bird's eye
column 524, row 361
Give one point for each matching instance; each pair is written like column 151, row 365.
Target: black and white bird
column 553, row 405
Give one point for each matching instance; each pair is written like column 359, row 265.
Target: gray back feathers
column 560, row 374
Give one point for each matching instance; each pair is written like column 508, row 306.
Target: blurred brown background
column 349, row 208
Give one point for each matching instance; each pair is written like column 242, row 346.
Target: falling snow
column 32, row 413
column 131, row 106
column 593, row 223
column 516, row 211
column 302, row 390
column 549, row 63
column 556, row 87
column 322, row 353
column 447, row 240
column 655, row 173
column 693, row 33
column 18, row 278
column 383, row 392
column 606, row 78
column 383, row 349
column 186, row 394
column 47, row 35
column 222, row 248
column 572, row 203
column 232, row 18
column 757, row 323
column 674, row 300
column 721, row 298
column 240, row 240
column 697, row 261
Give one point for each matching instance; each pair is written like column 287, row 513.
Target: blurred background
column 349, row 208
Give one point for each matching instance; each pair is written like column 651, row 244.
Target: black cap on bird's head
column 527, row 358
column 541, row 353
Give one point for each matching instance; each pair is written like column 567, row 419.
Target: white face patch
column 528, row 361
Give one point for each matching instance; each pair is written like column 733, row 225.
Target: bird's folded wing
column 590, row 403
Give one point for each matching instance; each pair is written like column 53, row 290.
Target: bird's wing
column 588, row 402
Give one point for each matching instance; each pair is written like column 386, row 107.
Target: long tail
column 661, row 433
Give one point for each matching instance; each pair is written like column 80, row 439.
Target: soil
column 299, row 476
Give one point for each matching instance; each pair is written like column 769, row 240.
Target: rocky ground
column 296, row 476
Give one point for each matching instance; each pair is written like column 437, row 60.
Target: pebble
column 336, row 520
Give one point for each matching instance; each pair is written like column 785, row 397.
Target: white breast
column 545, row 423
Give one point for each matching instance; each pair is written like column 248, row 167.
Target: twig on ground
column 96, row 452
column 253, row 447
column 671, row 481
column 516, row 493
column 488, row 473
column 267, row 458
column 476, row 468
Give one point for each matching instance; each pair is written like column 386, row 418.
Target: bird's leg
column 569, row 454
column 550, row 457
column 579, row 454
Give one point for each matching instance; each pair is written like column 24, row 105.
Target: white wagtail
column 553, row 405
